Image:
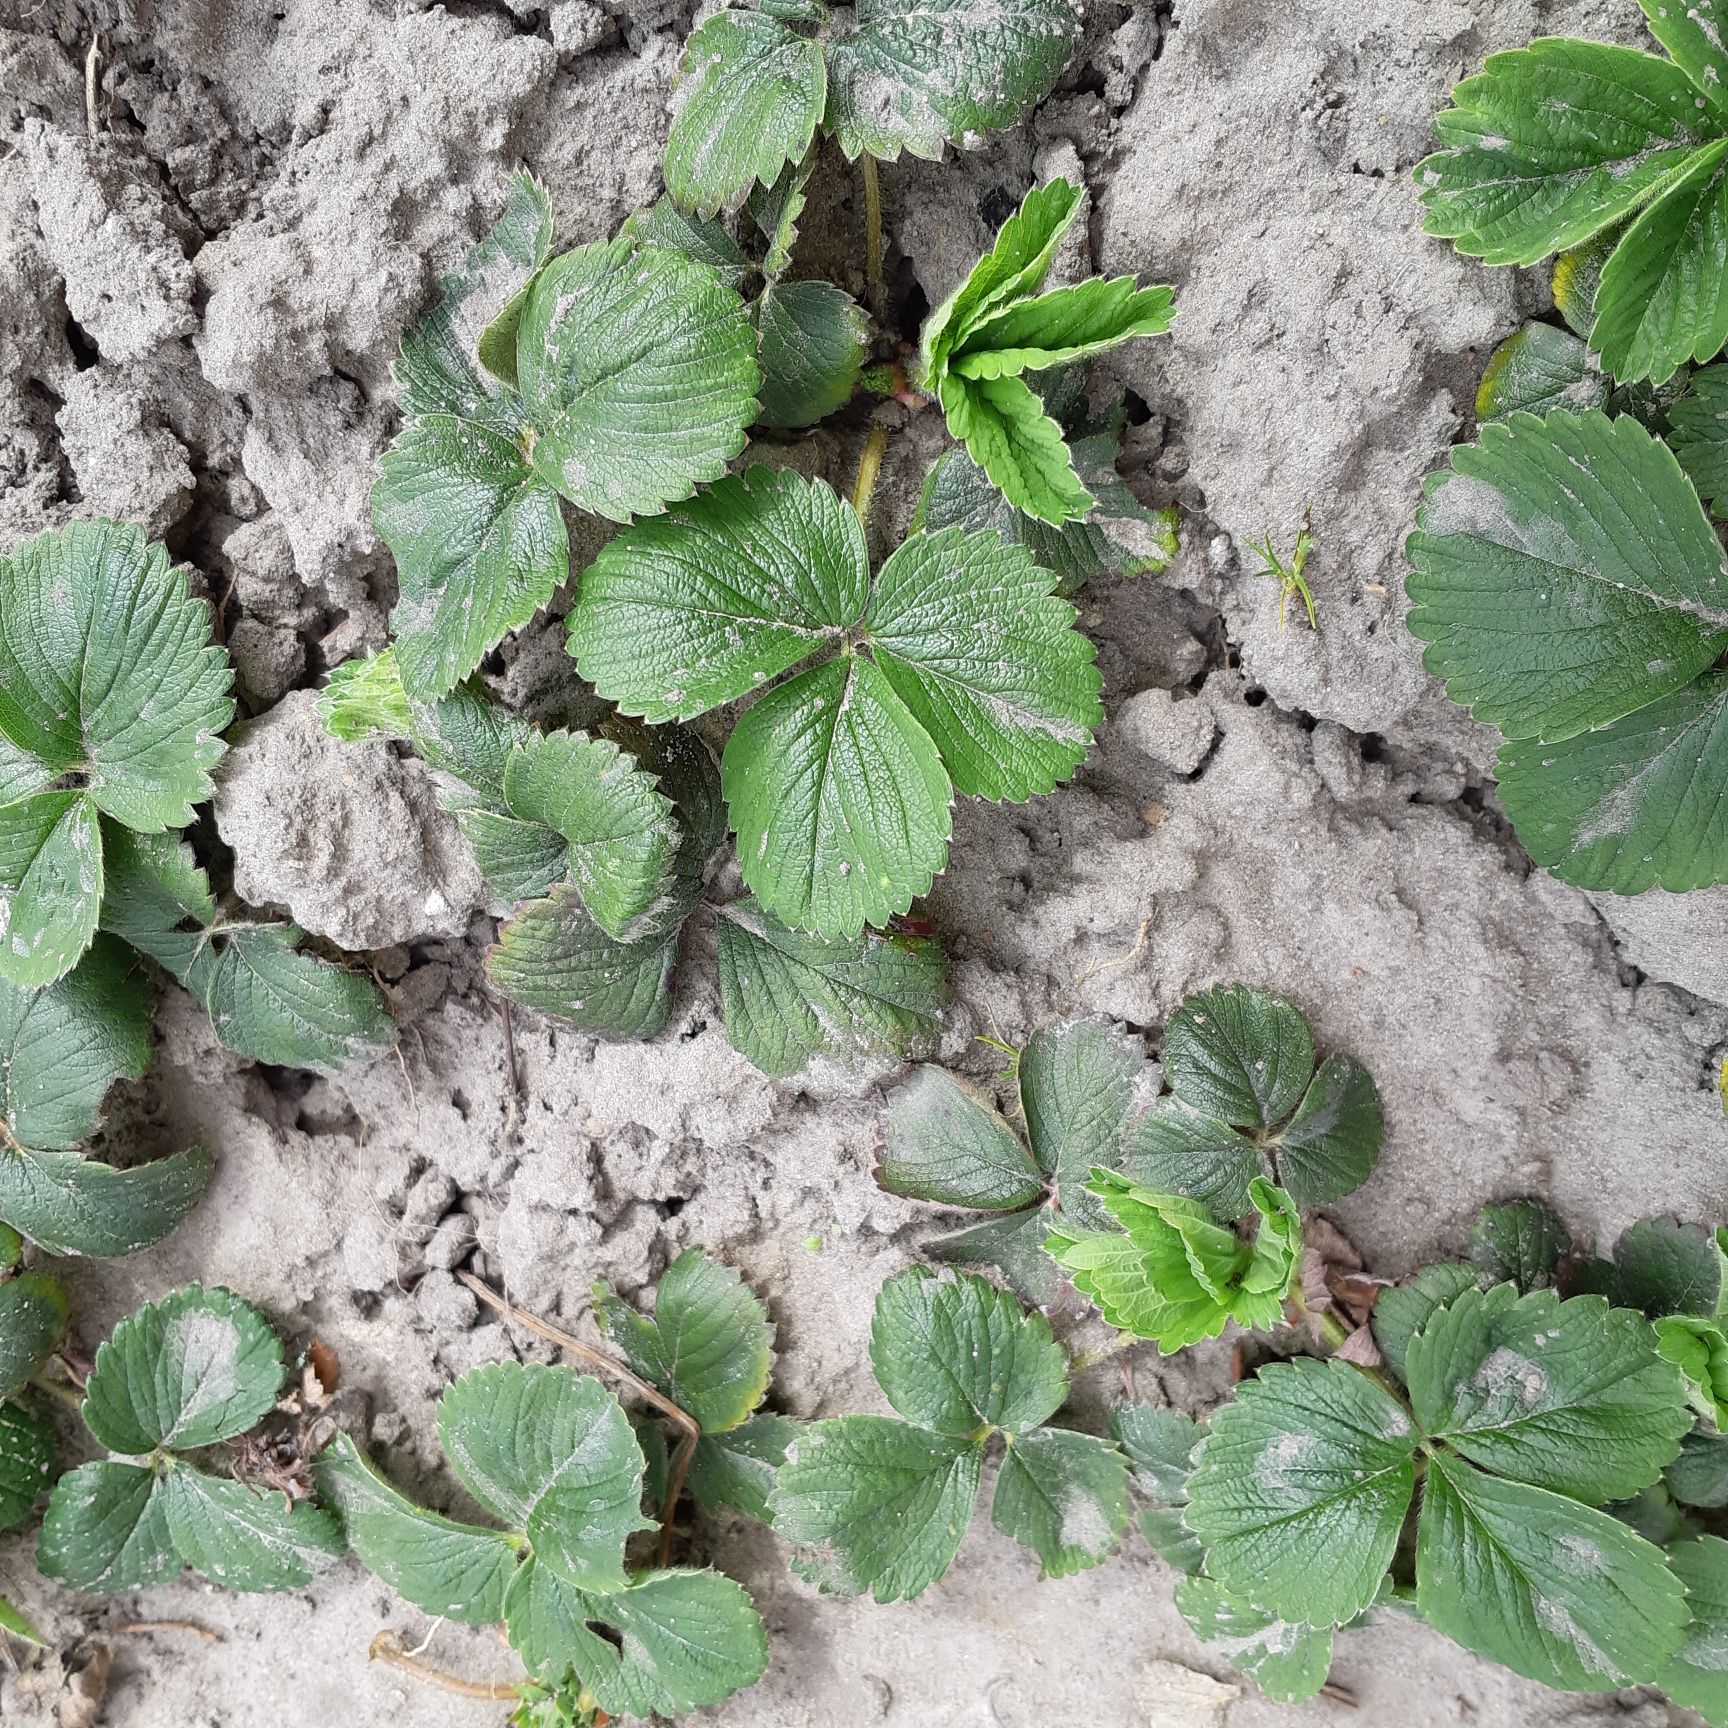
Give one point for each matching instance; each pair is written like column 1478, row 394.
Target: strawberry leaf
column 26, row 1462
column 69, row 1204
column 33, row 1316
column 1064, row 1496
column 1287, row 1660
column 106, row 1529
column 1699, row 436
column 942, row 1141
column 812, row 341
column 246, row 1540
column 1694, row 1676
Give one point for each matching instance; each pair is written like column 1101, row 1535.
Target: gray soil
column 199, row 305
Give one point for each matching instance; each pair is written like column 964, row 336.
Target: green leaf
column 50, row 886
column 363, row 698
column 1633, row 805
column 1698, row 434
column 1077, row 1082
column 638, row 368
column 943, row 1141
column 69, row 1204
column 1563, row 574
column 618, row 823
column 881, row 1504
column 839, row 799
column 1160, row 1444
column 1402, row 1311
column 663, row 224
column 1176, row 1149
column 106, row 1529
column 63, row 1046
column 108, row 672
column 917, row 74
column 33, row 1316
column 1665, row 1267
column 737, row 1468
column 1012, row 1246
column 812, row 341
column 1286, row 1659
column 1551, row 144
column 1699, row 1476
column 1695, row 1676
column 11, row 1248
column 776, row 210
column 1699, row 1350
column 1240, row 1054
column 706, row 603
column 1064, row 1496
column 197, row 1367
column 1553, row 1590
column 478, row 538
column 1328, row 1148
column 26, row 1462
column 709, row 1346
column 1002, row 423
column 966, row 631
column 750, row 93
column 1536, row 369
column 1520, row 1242
column 1061, row 326
column 1301, row 1490
column 957, row 1355
column 14, row 1623
column 156, row 893
column 1569, row 1395
column 449, row 1570
column 246, row 1540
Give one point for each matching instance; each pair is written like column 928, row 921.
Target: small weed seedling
column 1289, row 576
column 882, row 1503
column 113, row 699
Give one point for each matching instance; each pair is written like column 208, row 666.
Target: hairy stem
column 690, row 1430
column 387, row 1648
column 878, row 286
column 869, row 470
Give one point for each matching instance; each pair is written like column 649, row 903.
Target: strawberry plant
column 1570, row 142
column 881, row 1503
column 174, row 1380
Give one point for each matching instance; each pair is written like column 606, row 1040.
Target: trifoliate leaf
column 839, row 799
column 1552, row 143
column 706, row 603
column 1695, row 1676
column 1540, row 613
column 50, row 885
column 942, row 1141
column 1519, row 1243
column 1240, row 1054
column 1077, row 1084
column 1012, row 1246
column 197, row 1367
column 1177, row 1149
column 450, row 1570
column 619, row 826
column 956, row 1354
column 1286, row 1659
column 788, row 996
column 1569, row 1395
column 812, row 341
column 663, row 224
column 1536, row 369
column 1662, row 301
column 1402, row 1311
column 969, row 635
column 63, row 1046
column 1064, row 1496
column 1160, row 1444
column 737, row 1468
column 1699, row 434
column 1698, row 1348
column 1555, row 1591
column 709, row 1346
column 26, row 1462
column 1665, row 1267
column 750, row 93
column 363, row 698
column 917, row 74
column 246, row 1540
column 638, row 369
column 881, row 1504
column 1301, row 1490
column 14, row 1623
column 106, row 1529
column 108, row 673
column 33, row 1316
column 69, row 1204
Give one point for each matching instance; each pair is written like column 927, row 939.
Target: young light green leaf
column 1698, row 434
column 917, row 74
column 1061, row 326
column 69, row 1204
column 1160, row 1443
column 363, row 698
column 1555, row 1591
column 106, row 1529
column 1569, row 1396
column 839, row 799
column 881, row 1504
column 750, row 93
column 737, row 1468
column 1539, row 368
column 1403, row 1310
column 709, row 1346
column 945, row 1142
column 33, row 1316
column 812, row 341
column 704, row 604
column 246, row 1540
column 663, row 224
column 450, row 1570
column 957, row 1355
column 1520, row 1243
column 1698, row 1348
column 63, row 1046
column 1286, row 1659
column 1301, row 1489
column 26, row 1462
column 1064, row 1496
column 1539, row 612
column 966, row 631
column 1665, row 1267
column 14, row 1623
column 1695, row 1676
column 197, row 1367
column 638, row 368
column 1240, row 1054
column 1002, row 423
